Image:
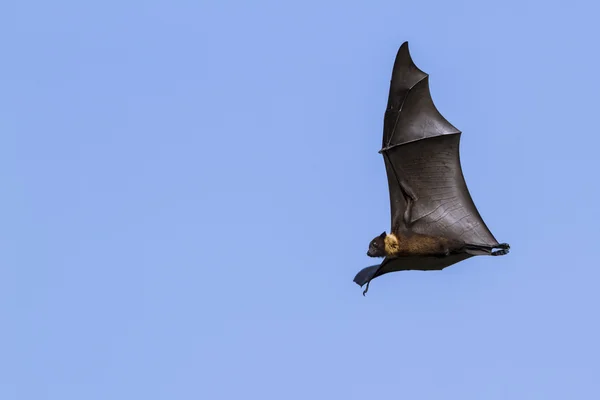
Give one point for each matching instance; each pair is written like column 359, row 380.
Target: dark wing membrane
column 421, row 154
column 443, row 205
column 410, row 113
column 408, row 264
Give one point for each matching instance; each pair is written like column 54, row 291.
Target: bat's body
column 412, row 244
column 434, row 221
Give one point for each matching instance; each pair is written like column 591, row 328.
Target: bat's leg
column 504, row 249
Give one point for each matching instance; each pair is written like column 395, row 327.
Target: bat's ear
column 383, row 235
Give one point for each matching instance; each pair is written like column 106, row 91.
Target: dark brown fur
column 403, row 245
column 421, row 245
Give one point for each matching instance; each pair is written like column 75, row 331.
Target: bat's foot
column 504, row 249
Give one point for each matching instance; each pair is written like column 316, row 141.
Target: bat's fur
column 400, row 245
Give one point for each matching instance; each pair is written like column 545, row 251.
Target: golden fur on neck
column 392, row 244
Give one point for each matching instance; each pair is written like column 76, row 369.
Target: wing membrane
column 443, row 206
column 421, row 154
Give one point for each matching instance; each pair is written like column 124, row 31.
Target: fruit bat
column 435, row 223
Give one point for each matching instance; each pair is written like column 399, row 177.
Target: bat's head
column 377, row 246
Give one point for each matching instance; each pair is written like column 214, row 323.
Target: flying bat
column 435, row 223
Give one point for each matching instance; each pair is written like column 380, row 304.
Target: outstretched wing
column 428, row 193
column 388, row 265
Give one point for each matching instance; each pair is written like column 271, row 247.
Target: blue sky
column 190, row 187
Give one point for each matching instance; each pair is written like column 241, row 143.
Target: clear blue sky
column 190, row 187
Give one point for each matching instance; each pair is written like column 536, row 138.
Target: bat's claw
column 366, row 289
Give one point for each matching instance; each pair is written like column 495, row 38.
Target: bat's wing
column 428, row 193
column 407, row 264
